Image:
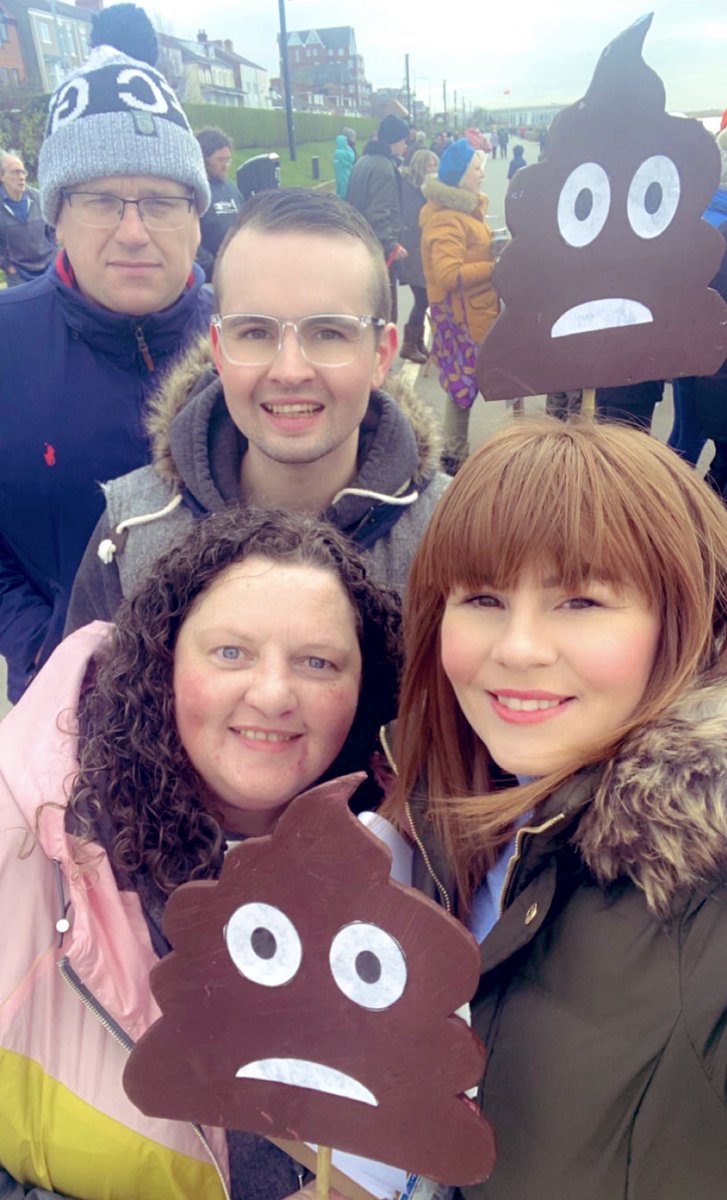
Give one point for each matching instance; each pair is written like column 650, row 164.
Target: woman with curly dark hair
column 255, row 662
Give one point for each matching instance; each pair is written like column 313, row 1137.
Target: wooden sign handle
column 588, row 403
column 323, row 1173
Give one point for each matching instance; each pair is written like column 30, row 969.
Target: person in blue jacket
column 697, row 402
column 122, row 179
column 343, row 159
column 516, row 162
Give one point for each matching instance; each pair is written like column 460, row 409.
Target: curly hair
column 135, row 781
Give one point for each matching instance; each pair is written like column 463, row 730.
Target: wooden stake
column 323, row 1173
column 588, row 403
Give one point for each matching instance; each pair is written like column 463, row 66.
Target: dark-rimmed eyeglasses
column 101, row 210
column 325, row 340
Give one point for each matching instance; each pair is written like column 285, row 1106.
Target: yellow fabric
column 456, row 246
column 63, row 1144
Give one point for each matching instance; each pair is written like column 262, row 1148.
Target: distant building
column 252, row 80
column 211, row 72
column 386, row 101
column 532, row 116
column 12, row 66
column 42, row 40
column 53, row 39
column 326, row 72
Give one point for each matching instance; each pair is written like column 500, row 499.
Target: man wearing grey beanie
column 123, row 181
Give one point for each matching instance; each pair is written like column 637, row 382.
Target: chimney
column 228, row 44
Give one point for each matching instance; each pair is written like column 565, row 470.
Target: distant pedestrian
column 375, row 190
column 503, row 137
column 351, row 136
column 27, row 244
column 343, row 160
column 516, row 162
column 477, row 139
column 423, row 163
column 458, row 259
column 226, row 202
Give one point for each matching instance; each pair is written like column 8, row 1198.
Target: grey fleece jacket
column 196, row 470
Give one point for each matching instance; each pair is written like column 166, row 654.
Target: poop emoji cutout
column 310, row 997
column 606, row 279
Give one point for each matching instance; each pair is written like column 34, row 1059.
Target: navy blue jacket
column 73, row 386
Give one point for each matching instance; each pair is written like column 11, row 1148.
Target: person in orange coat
column 458, row 260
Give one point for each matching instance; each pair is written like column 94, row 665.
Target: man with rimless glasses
column 123, row 181
column 285, row 409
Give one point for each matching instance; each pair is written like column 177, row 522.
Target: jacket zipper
column 112, row 1027
column 437, row 881
column 515, row 857
column 143, row 348
column 127, row 1043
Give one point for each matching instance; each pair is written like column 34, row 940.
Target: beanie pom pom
column 127, row 28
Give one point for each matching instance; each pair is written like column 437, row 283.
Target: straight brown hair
column 579, row 500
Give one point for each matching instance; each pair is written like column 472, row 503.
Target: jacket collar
column 115, row 334
column 655, row 814
column 446, row 196
column 659, row 814
column 379, row 148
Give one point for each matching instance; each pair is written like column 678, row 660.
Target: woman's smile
column 543, row 673
column 527, row 708
column 266, row 690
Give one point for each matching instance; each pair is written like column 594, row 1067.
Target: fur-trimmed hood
column 196, row 371
column 444, row 195
column 659, row 813
column 654, row 814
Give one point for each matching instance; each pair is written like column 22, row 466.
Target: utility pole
column 286, row 81
column 444, row 97
column 454, row 106
column 408, row 89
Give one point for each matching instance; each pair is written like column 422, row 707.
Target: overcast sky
column 545, row 53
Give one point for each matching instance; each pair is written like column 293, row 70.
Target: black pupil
column 368, row 967
column 263, row 942
column 653, row 198
column 584, row 204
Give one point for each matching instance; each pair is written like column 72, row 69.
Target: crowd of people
column 239, row 559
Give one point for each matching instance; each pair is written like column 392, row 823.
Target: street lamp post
column 286, row 81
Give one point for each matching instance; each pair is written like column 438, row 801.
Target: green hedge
column 22, row 126
column 267, row 128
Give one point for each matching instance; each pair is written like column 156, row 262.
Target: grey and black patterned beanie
column 117, row 115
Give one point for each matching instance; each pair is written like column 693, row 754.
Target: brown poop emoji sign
column 605, row 280
column 310, row 997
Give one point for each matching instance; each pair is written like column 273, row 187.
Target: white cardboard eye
column 590, row 182
column 263, row 944
column 658, row 173
column 368, row 965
